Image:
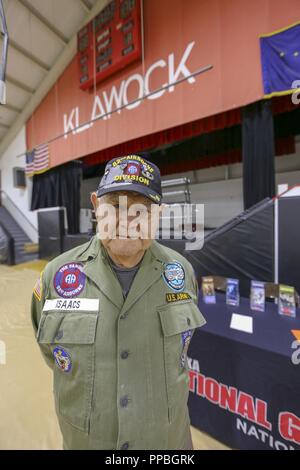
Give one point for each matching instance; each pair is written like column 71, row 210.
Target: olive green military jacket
column 119, row 365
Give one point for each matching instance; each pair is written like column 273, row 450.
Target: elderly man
column 114, row 318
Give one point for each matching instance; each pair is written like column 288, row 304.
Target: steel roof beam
column 29, row 56
column 44, row 21
column 10, row 107
column 19, row 84
column 85, row 4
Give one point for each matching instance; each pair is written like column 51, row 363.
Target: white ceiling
column 39, row 32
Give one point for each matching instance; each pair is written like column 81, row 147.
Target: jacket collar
column 97, row 267
column 149, row 272
column 91, row 250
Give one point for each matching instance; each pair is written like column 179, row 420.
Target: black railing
column 3, row 196
column 11, row 260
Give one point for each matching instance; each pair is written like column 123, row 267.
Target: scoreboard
column 110, row 42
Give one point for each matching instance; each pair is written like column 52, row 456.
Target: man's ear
column 94, row 201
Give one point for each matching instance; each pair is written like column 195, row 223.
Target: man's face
column 127, row 222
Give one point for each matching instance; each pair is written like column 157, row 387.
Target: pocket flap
column 71, row 328
column 180, row 317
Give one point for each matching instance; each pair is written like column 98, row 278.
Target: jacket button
column 124, row 401
column 124, row 354
column 188, row 321
column 123, row 316
column 125, row 446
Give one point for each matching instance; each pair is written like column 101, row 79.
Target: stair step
column 31, row 248
column 20, row 238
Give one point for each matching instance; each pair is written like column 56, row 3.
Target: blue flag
column 280, row 56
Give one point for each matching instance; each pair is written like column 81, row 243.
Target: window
column 19, row 177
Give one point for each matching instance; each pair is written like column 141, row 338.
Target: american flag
column 37, row 161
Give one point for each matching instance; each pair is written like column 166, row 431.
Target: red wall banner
column 181, row 36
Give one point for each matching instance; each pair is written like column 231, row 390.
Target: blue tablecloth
column 245, row 388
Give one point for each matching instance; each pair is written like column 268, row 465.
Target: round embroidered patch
column 133, row 168
column 62, row 359
column 69, row 280
column 174, row 276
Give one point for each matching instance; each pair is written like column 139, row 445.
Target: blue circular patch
column 174, row 276
column 62, row 359
column 69, row 280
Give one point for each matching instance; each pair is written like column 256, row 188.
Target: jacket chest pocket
column 178, row 323
column 71, row 338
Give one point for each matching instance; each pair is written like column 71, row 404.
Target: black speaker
column 49, row 248
column 51, row 222
column 51, row 228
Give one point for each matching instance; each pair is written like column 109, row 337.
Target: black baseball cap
column 132, row 173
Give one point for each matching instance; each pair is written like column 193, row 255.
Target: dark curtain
column 59, row 187
column 258, row 144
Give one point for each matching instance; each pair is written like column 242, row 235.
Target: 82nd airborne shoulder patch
column 69, row 280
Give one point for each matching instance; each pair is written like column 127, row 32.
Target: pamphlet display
column 208, row 290
column 232, row 292
column 257, row 297
column 287, row 304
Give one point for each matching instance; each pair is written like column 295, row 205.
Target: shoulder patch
column 37, row 290
column 174, row 276
column 177, row 297
column 69, row 280
column 62, row 359
column 185, row 338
